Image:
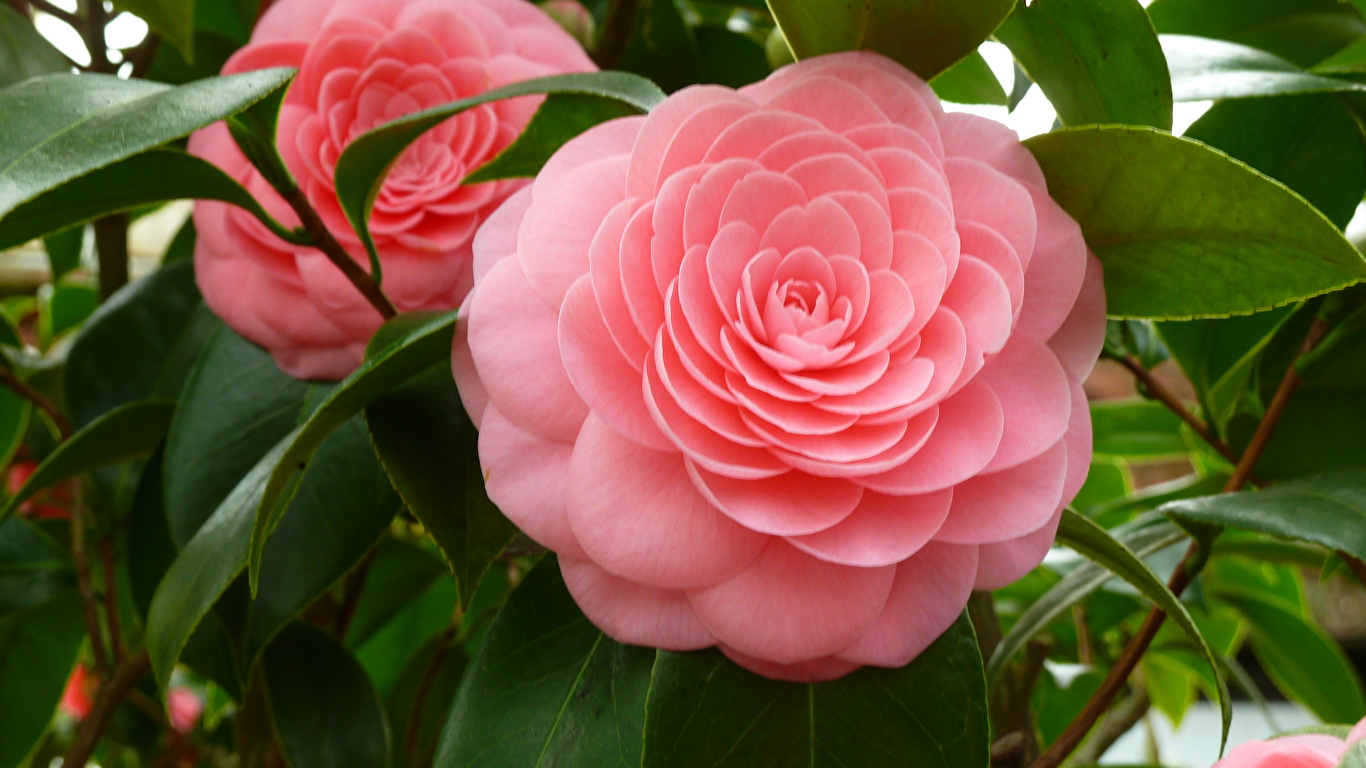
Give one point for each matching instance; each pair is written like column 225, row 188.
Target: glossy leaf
column 1185, row 231
column 422, row 341
column 927, row 36
column 400, row 573
column 325, row 710
column 970, row 81
column 38, row 648
column 128, row 432
column 1203, row 69
column 16, row 414
column 34, row 568
column 729, row 58
column 1097, row 61
column 64, row 250
column 561, row 117
column 24, row 52
column 1301, row 31
column 548, row 688
column 60, row 127
column 365, row 162
column 1136, row 429
column 662, row 46
column 1096, row 544
column 153, row 177
column 429, row 447
column 172, row 19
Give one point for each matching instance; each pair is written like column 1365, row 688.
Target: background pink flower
column 787, row 370
column 363, row 63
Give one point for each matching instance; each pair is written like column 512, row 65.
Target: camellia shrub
column 678, row 383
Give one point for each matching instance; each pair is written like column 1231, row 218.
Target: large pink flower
column 1303, row 751
column 786, row 370
column 363, row 63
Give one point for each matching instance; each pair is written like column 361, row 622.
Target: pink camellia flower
column 786, row 370
column 1302, row 751
column 363, row 63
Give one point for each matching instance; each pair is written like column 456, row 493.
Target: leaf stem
column 11, row 381
column 354, row 587
column 92, row 34
column 324, row 241
column 412, row 731
column 617, row 26
column 1160, row 393
column 111, row 694
column 111, row 601
column 80, row 557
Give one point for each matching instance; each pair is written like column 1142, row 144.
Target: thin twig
column 412, row 732
column 107, row 700
column 1357, row 567
column 55, row 12
column 333, row 250
column 111, row 246
column 1120, row 720
column 85, row 587
column 351, row 592
column 92, row 33
column 617, row 26
column 1160, row 393
column 111, row 602
column 1185, row 572
column 9, row 380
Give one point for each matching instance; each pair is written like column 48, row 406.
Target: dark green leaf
column 435, row 679
column 16, row 414
column 1204, row 69
column 561, row 117
column 1337, row 361
column 928, row 36
column 64, row 250
column 430, row 450
column 38, row 648
column 365, row 163
column 400, row 573
column 33, row 567
column 1097, row 61
column 60, row 127
column 970, row 81
column 729, row 58
column 324, row 708
column 704, row 710
column 547, row 688
column 422, row 341
column 1136, row 429
column 172, row 19
column 128, row 432
column 1185, row 231
column 24, row 52
column 662, row 46
column 1094, row 542
column 1301, row 31
column 157, row 176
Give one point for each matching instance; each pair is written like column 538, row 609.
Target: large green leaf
column 1096, row 544
column 33, row 567
column 1185, row 231
column 430, row 449
column 927, row 36
column 60, row 127
column 970, row 81
column 1304, row 662
column 548, row 688
column 1098, row 61
column 1204, row 69
column 38, row 648
column 662, row 46
column 1136, row 429
column 703, row 710
column 24, row 52
column 1301, row 31
column 172, row 19
column 325, row 710
column 128, row 432
column 365, row 162
column 421, row 340
column 561, row 117
column 153, row 177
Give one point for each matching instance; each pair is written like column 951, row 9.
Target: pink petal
column 882, row 530
column 528, row 478
column 1078, row 342
column 963, row 442
column 1006, row 562
column 559, row 226
column 637, row 515
column 981, row 300
column 604, row 268
column 996, row 145
column 662, row 125
column 986, row 244
column 497, row 236
column 987, row 196
column 634, row 613
column 833, row 103
column 813, row 671
column 473, row 396
column 695, row 399
column 787, row 505
column 1007, row 504
column 1054, row 275
column 1035, row 395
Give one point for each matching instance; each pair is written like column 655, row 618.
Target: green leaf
column 24, row 52
column 705, row 710
column 34, row 568
column 1097, row 61
column 38, row 648
column 325, row 710
column 16, row 414
column 729, row 58
column 60, row 127
column 436, row 679
column 1303, row 662
column 1300, row 31
column 548, row 688
column 64, row 250
column 153, row 177
column 1298, row 139
column 561, row 117
column 172, row 19
column 1337, row 360
column 128, row 432
column 365, row 162
column 970, row 81
column 662, row 46
column 1204, row 69
column 927, row 36
column 1136, row 429
column 430, row 449
column 1185, row 231
column 1327, row 510
column 62, row 307
column 400, row 573
column 134, row 346
column 1096, row 544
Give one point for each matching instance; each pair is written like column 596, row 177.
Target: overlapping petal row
column 787, row 370
column 363, row 63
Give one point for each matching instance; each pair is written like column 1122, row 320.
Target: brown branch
column 85, row 587
column 1076, row 731
column 351, row 592
column 111, row 246
column 617, row 26
column 9, row 380
column 412, row 732
column 111, row 694
column 55, row 12
column 92, row 33
column 333, row 250
column 111, row 602
column 1160, row 393
column 1357, row 567
column 1118, row 722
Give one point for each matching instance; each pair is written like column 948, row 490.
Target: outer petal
column 632, row 613
column 883, row 530
column 527, row 476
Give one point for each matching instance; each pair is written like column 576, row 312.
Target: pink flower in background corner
column 1302, row 751
column 363, row 63
column 787, row 370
